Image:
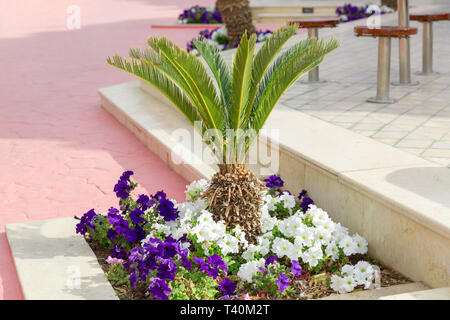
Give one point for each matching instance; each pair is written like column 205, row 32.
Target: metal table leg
column 313, row 75
column 404, row 50
column 427, row 49
column 383, row 73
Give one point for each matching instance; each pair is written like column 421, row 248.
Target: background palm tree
column 237, row 17
column 237, row 100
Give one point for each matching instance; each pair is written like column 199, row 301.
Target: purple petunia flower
column 143, row 201
column 167, row 210
column 271, row 259
column 159, row 289
column 305, row 203
column 302, row 194
column 274, row 182
column 135, row 235
column 212, row 266
column 136, row 216
column 86, row 221
column 167, row 269
column 296, row 269
column 118, row 253
column 228, row 287
column 283, row 282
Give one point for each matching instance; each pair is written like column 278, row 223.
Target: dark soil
column 308, row 287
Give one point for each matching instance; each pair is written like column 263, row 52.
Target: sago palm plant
column 228, row 104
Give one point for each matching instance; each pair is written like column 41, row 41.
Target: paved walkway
column 60, row 152
column 419, row 122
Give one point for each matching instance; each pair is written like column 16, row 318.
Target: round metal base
column 376, row 100
column 398, row 83
column 432, row 73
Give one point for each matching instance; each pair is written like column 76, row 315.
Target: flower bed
column 349, row 12
column 219, row 38
column 155, row 248
column 197, row 14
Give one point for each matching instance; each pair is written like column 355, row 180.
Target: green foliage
column 101, row 227
column 239, row 98
column 193, row 286
column 117, row 275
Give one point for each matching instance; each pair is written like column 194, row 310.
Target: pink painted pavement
column 60, row 152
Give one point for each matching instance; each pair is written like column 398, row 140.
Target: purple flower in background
column 296, row 269
column 283, row 282
column 86, row 221
column 274, row 182
column 228, row 287
column 271, row 259
column 197, row 14
column 159, row 289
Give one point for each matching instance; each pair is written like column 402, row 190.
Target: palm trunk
column 237, row 17
column 234, row 196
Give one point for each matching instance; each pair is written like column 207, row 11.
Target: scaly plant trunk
column 237, row 17
column 390, row 3
column 234, row 196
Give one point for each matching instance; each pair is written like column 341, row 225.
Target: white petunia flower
column 240, row 235
column 249, row 269
column 205, row 217
column 337, row 283
column 347, row 270
column 348, row 245
column 305, row 237
column 228, row 244
column 195, row 189
column 363, row 273
column 361, row 244
column 332, row 250
column 288, row 200
column 282, row 247
column 249, row 254
column 267, row 222
column 313, row 255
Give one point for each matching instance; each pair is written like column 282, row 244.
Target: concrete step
column 379, row 293
column 433, row 294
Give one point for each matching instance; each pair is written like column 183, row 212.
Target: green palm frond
column 161, row 82
column 222, row 73
column 192, row 73
column 298, row 60
column 266, row 54
column 232, row 99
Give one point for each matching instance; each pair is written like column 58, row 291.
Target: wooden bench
column 384, row 35
column 313, row 26
column 427, row 20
